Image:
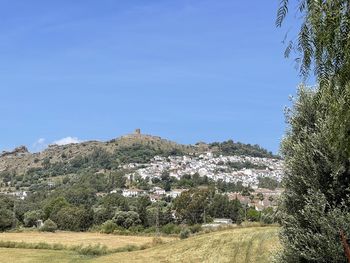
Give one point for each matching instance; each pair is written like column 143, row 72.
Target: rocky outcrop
column 19, row 151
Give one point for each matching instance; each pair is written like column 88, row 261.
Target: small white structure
column 39, row 223
column 175, row 193
column 158, row 191
column 132, row 192
column 20, row 195
column 223, row 221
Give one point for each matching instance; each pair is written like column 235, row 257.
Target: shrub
column 185, row 233
column 171, row 229
column 195, row 228
column 253, row 215
column 136, row 229
column 49, row 226
column 151, row 229
column 91, row 250
column 108, row 227
column 127, row 248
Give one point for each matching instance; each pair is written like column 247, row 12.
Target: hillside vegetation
column 241, row 245
column 133, row 148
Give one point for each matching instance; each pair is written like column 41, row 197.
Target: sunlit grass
column 78, row 238
column 241, row 245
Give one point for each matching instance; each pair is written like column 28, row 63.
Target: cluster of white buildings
column 155, row 194
column 18, row 194
column 215, row 168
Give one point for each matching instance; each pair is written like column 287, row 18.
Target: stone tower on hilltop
column 137, row 132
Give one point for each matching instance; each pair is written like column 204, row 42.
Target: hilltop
column 20, row 160
column 135, row 147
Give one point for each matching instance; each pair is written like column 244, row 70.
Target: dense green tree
column 317, row 146
column 6, row 202
column 220, row 206
column 6, row 218
column 101, row 214
column 141, row 206
column 97, row 182
column 52, row 206
column 127, row 219
column 236, row 148
column 159, row 211
column 73, row 218
column 191, row 204
column 80, row 195
column 117, row 179
column 317, row 154
column 31, row 217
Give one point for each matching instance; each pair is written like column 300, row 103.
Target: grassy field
column 241, row 245
column 76, row 238
column 39, row 256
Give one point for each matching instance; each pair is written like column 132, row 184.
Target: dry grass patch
column 74, row 238
column 39, row 256
column 241, row 245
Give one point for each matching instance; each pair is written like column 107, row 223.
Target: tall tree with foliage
column 323, row 42
column 316, row 148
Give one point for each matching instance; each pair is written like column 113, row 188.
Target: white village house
column 158, row 191
column 132, row 192
column 175, row 193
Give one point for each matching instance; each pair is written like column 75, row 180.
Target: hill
column 20, row 160
column 240, row 245
column 131, row 148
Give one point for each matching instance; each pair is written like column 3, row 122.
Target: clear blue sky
column 189, row 71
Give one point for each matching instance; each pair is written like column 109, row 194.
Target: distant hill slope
column 20, row 160
column 130, row 148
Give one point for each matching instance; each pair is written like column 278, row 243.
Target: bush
column 136, row 229
column 31, row 217
column 185, row 233
column 108, row 227
column 151, row 229
column 170, row 229
column 91, row 250
column 253, row 215
column 195, row 228
column 49, row 226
